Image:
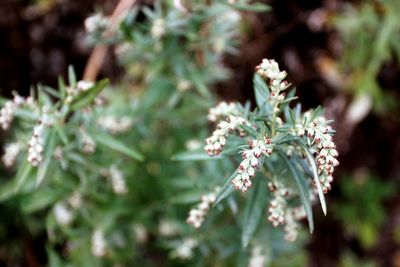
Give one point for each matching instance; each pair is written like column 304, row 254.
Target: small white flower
column 118, row 181
column 96, row 23
column 257, row 258
column 115, row 125
column 167, row 228
column 99, row 245
column 11, row 152
column 158, row 28
column 185, row 249
column 62, row 214
column 184, row 85
column 141, row 233
column 193, row 144
column 88, row 144
column 75, row 200
column 83, row 86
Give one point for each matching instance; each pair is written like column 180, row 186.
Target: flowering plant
column 94, row 173
column 286, row 146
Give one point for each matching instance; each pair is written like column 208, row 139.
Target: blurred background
column 343, row 55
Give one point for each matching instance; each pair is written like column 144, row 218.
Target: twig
column 98, row 54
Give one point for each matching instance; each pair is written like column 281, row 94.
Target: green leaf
column 261, row 90
column 61, row 133
column 61, row 87
column 254, row 211
column 199, row 84
column 52, row 92
column 22, row 174
column 256, row 7
column 226, row 189
column 71, row 76
column 194, row 155
column 48, row 156
column 53, row 258
column 316, row 179
column 316, row 112
column 39, row 200
column 187, row 197
column 303, row 190
column 292, row 117
column 86, row 98
column 114, row 144
column 249, row 130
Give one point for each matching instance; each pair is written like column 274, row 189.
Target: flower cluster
column 198, row 214
column 99, row 245
column 115, row 125
column 281, row 214
column 185, row 249
column 96, row 23
column 318, row 134
column 141, row 233
column 118, row 181
column 291, row 227
column 269, row 69
column 158, row 28
column 252, row 159
column 88, row 144
column 75, row 200
column 167, row 228
column 216, row 142
column 277, row 206
column 11, row 152
column 36, row 143
column 7, row 112
column 257, row 258
column 223, row 109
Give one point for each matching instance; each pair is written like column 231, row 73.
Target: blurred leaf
column 71, row 76
column 47, row 155
column 85, row 98
column 303, row 191
column 194, row 155
column 261, row 90
column 39, row 200
column 187, row 197
column 114, row 144
column 53, row 258
column 255, row 206
column 253, row 133
column 256, row 7
column 226, row 189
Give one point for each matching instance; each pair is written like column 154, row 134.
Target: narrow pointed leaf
column 48, row 156
column 226, row 189
column 303, row 191
column 316, row 179
column 114, row 144
column 254, row 211
column 261, row 90
column 86, row 98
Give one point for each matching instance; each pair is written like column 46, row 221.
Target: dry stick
column 98, row 54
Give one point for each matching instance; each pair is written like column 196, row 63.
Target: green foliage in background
column 370, row 37
column 362, row 205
